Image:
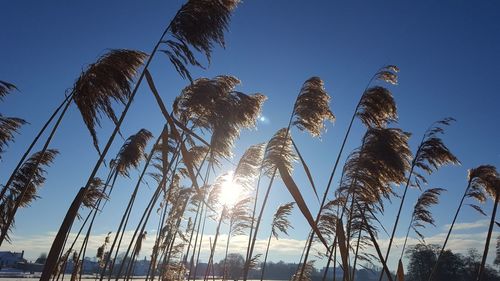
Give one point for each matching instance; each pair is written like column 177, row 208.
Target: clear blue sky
column 448, row 52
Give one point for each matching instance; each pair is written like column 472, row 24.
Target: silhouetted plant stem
column 70, row 216
column 356, row 256
column 74, row 242
column 168, row 250
column 19, row 198
column 154, row 254
column 55, row 251
column 406, row 240
column 154, row 199
column 401, row 203
column 212, row 251
column 303, row 251
column 349, row 224
column 192, row 232
column 259, row 218
column 30, row 147
column 135, row 253
column 63, row 266
column 81, row 253
column 145, row 216
column 250, row 252
column 122, row 225
column 335, row 259
column 449, row 230
column 330, row 180
column 397, row 220
column 253, row 212
column 337, row 160
column 176, row 231
column 91, row 212
column 191, row 260
column 480, row 274
column 199, row 246
column 225, row 255
column 83, row 249
column 375, row 244
column 158, row 240
column 265, row 257
column 150, row 206
column 333, row 251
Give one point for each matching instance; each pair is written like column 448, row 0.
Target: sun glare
column 230, row 191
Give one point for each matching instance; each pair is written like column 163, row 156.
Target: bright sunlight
column 231, row 191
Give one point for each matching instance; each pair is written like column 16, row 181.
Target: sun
column 230, row 190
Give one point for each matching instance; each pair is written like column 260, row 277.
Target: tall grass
column 186, row 164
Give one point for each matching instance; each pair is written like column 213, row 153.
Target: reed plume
column 312, row 107
column 23, row 190
column 214, row 105
column 279, row 150
column 106, row 81
column 382, row 160
column 6, row 88
column 181, row 25
column 328, row 220
column 199, row 24
column 197, row 154
column 9, row 126
column 478, row 179
column 132, row 152
column 239, row 221
column 310, row 111
column 421, row 214
column 388, row 74
column 94, row 194
column 280, row 223
column 101, row 254
column 248, row 168
column 239, row 218
column 254, row 261
column 431, row 154
column 377, row 108
column 304, row 272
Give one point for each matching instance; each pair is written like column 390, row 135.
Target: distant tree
column 42, row 258
column 421, row 261
column 452, row 267
column 471, row 262
column 234, row 265
column 497, row 256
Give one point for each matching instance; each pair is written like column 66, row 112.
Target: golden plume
column 279, row 151
column 421, row 213
column 198, row 24
column 281, row 223
column 377, row 107
column 311, row 108
column 104, row 82
column 214, row 105
column 132, row 152
column 248, row 167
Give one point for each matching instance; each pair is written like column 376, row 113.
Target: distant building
column 11, row 259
